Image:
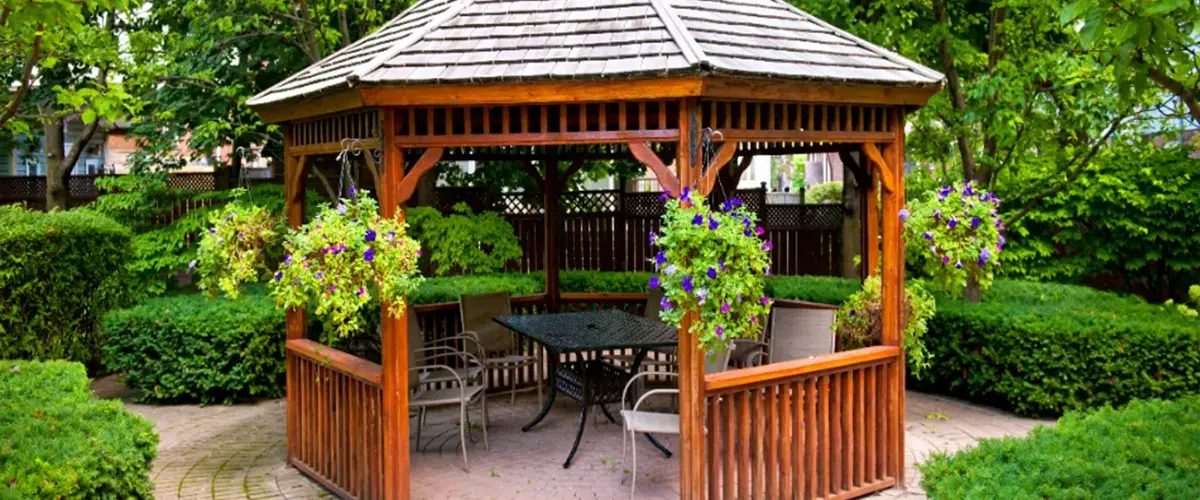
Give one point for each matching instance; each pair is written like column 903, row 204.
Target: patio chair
column 497, row 345
column 797, row 333
column 425, row 361
column 636, row 420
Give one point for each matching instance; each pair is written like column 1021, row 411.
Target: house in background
column 107, row 153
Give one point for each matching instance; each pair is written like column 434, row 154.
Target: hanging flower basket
column 859, row 322
column 235, row 249
column 956, row 235
column 713, row 262
column 344, row 257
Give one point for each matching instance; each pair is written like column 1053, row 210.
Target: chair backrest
column 477, row 313
column 416, row 340
column 798, row 333
column 653, row 304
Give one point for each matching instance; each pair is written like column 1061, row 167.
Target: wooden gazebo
column 535, row 79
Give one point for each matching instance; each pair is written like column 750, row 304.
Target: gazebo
column 652, row 80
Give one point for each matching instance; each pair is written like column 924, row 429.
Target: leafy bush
column 437, row 290
column 191, row 348
column 57, row 441
column 827, row 192
column 1042, row 349
column 600, row 282
column 822, row 289
column 1145, row 450
column 464, row 241
column 59, row 272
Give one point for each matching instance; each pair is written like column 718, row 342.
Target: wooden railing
column 824, row 427
column 334, row 419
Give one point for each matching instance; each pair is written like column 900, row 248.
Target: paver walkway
column 227, row 452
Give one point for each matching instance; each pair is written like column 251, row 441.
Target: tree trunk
column 57, row 177
column 851, row 221
column 972, row 293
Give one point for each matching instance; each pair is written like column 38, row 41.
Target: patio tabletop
column 592, row 330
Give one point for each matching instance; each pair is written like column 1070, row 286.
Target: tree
column 1148, row 42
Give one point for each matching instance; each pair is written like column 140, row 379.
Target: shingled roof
column 472, row 41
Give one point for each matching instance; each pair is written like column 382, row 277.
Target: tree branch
column 1176, row 87
column 26, row 80
column 1074, row 170
column 954, row 87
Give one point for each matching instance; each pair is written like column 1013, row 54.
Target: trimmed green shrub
column 464, row 241
column 437, row 290
column 827, row 192
column 191, row 348
column 823, row 289
column 1042, row 349
column 1149, row 449
column 59, row 273
column 57, row 441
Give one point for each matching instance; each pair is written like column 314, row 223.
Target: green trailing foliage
column 712, row 262
column 189, row 348
column 236, row 248
column 464, row 241
column 859, row 322
column 1042, row 349
column 1147, row 449
column 826, row 192
column 58, row 441
column 59, row 273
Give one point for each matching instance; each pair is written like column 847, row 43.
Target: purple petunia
column 713, row 224
column 352, row 192
column 362, row 291
column 984, row 255
column 653, row 238
column 660, row 258
column 320, row 275
column 698, row 220
column 853, row 312
column 686, row 194
column 332, row 288
column 370, row 236
column 721, row 264
column 1002, row 240
column 937, row 214
column 288, row 259
column 929, row 235
column 953, row 223
column 945, row 259
column 669, row 270
column 764, row 300
column 999, row 224
column 726, row 206
column 664, row 303
column 735, row 201
column 958, row 264
column 341, row 209
column 760, row 231
column 369, row 255
column 278, row 276
column 747, row 233
column 687, row 284
column 663, row 197
column 725, row 308
column 712, row 273
column 654, row 282
column 746, row 222
column 702, row 296
column 969, row 190
column 903, row 215
column 720, row 330
column 975, row 221
column 212, row 230
column 944, row 192
column 767, row 246
column 391, row 236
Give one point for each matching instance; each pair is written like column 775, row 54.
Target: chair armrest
column 653, row 392
column 428, row 368
column 437, row 351
column 473, row 339
column 625, row 391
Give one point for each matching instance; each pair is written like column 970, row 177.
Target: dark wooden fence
column 605, row 230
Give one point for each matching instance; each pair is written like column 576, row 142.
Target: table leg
column 637, row 363
column 611, row 420
column 550, row 393
column 583, row 413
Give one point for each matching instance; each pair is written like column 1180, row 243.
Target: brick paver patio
column 226, row 452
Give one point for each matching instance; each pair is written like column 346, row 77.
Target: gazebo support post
column 893, row 282
column 691, row 358
column 297, row 319
column 395, row 332
column 552, row 227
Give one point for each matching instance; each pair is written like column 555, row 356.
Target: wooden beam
column 394, row 332
column 427, row 161
column 893, row 288
column 539, row 139
column 885, row 171
column 690, row 354
column 666, row 178
column 724, row 154
column 824, row 136
column 760, row 375
column 309, row 107
column 758, row 89
column 545, row 92
column 328, row 148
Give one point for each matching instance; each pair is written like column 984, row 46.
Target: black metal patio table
column 590, row 381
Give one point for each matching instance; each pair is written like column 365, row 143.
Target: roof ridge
column 887, row 54
column 688, row 46
column 450, row 13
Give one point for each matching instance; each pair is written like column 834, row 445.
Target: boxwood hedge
column 57, row 441
column 59, row 273
column 191, row 348
column 1146, row 450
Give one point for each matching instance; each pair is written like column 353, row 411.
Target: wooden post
column 893, row 286
column 552, row 228
column 395, row 334
column 691, row 358
column 297, row 319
